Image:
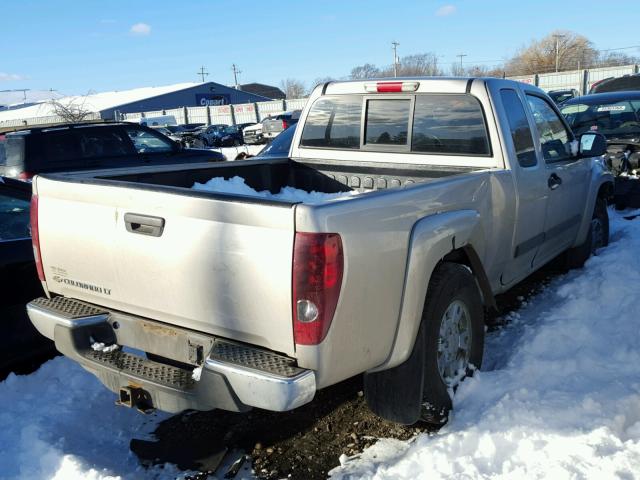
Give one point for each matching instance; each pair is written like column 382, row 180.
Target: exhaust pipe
column 135, row 397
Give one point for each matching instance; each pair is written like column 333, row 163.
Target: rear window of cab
column 441, row 124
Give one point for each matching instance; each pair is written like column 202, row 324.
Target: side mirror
column 592, row 144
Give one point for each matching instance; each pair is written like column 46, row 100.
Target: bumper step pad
column 142, row 368
column 68, row 307
column 254, row 359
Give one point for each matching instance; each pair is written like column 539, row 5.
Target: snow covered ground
column 558, row 397
column 559, row 393
column 61, row 423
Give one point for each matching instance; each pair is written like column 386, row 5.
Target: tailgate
column 219, row 266
column 271, row 126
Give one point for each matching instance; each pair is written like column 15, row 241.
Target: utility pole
column 557, row 36
column 461, row 55
column 395, row 57
column 202, row 73
column 236, row 72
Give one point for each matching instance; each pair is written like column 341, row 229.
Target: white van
column 160, row 121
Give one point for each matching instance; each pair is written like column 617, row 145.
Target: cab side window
column 519, row 126
column 554, row 137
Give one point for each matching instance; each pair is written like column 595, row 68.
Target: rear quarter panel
column 376, row 231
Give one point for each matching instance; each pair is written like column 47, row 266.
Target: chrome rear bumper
column 233, row 376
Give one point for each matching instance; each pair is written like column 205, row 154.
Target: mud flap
column 396, row 394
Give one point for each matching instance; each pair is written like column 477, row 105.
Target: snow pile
column 237, row 186
column 101, row 347
column 559, row 394
column 61, row 423
column 197, row 373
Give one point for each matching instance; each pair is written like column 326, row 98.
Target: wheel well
column 468, row 257
column 606, row 191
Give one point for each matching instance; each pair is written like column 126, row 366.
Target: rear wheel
column 453, row 317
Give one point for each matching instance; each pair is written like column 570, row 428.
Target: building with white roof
column 108, row 104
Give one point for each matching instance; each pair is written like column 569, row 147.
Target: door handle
column 554, row 181
column 144, row 224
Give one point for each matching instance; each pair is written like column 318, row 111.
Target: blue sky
column 80, row 46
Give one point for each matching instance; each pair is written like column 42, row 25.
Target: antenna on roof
column 202, row 73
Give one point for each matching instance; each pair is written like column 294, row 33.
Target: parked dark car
column 617, row 116
column 92, row 146
column 191, row 126
column 228, row 136
column 208, row 134
column 560, row 96
column 186, row 135
column 617, row 84
column 19, row 340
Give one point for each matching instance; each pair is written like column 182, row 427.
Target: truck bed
column 217, row 263
column 321, row 176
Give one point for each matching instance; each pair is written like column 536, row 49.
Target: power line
column 497, row 62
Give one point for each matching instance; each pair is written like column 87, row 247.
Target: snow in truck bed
column 237, row 185
column 558, row 397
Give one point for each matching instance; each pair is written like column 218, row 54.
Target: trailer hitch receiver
column 135, row 397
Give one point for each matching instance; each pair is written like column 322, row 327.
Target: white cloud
column 141, row 29
column 11, row 77
column 446, row 10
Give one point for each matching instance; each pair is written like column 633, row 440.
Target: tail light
column 284, row 124
column 25, row 175
column 35, row 237
column 317, row 278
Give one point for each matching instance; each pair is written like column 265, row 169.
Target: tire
column 236, row 143
column 597, row 237
column 452, row 293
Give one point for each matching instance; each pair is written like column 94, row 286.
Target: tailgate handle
column 144, row 224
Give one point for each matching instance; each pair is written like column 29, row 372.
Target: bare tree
column 611, row 59
column 422, row 64
column 293, row 88
column 573, row 51
column 71, row 111
column 458, row 70
column 475, row 71
column 365, row 71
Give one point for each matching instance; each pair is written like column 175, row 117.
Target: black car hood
column 631, row 140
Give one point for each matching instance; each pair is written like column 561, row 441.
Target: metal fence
column 223, row 114
column 581, row 80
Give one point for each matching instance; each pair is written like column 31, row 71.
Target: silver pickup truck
column 178, row 298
